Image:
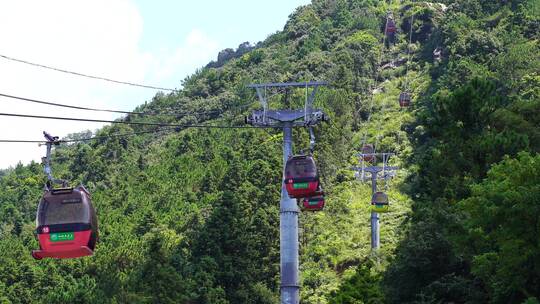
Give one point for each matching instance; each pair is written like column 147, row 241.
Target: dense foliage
column 192, row 215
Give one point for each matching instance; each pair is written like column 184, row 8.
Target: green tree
column 502, row 220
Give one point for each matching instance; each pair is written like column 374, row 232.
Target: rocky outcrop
column 227, row 54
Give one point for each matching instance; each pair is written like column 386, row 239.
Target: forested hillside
column 192, row 215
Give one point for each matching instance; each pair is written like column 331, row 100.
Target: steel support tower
column 374, row 170
column 288, row 209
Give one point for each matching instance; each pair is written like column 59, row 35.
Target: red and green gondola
column 66, row 223
column 314, row 203
column 301, row 177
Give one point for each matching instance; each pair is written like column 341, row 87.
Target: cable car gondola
column 390, row 29
column 379, row 202
column 368, row 151
column 314, row 203
column 390, row 26
column 404, row 99
column 66, row 224
column 301, row 178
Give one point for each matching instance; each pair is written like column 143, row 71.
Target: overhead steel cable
column 117, row 135
column 21, row 141
column 63, row 141
column 68, row 106
column 86, row 75
column 407, row 84
column 104, row 110
column 131, row 122
column 376, row 74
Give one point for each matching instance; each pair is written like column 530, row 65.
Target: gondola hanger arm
column 51, row 140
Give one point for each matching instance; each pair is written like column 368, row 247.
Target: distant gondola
column 301, row 178
column 390, row 30
column 404, row 99
column 368, row 151
column 390, row 26
column 66, row 224
column 379, row 202
column 314, row 203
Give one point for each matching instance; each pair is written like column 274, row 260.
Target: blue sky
column 216, row 25
column 229, row 23
column 152, row 42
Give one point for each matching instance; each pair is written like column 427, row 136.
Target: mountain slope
column 191, row 216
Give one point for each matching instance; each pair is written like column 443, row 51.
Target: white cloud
column 99, row 37
column 197, row 50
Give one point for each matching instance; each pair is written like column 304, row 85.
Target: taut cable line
column 103, row 110
column 86, row 75
column 133, row 122
column 117, row 135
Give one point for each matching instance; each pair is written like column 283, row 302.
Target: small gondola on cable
column 368, row 153
column 379, row 202
column 390, row 28
column 66, row 222
column 314, row 203
column 404, row 99
column 301, row 175
column 302, row 179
